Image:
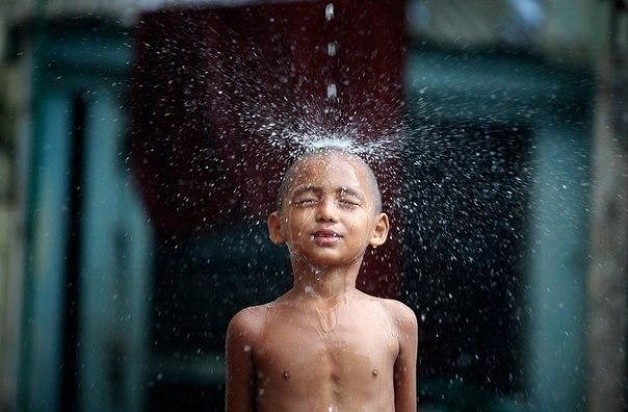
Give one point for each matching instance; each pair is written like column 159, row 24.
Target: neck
column 324, row 283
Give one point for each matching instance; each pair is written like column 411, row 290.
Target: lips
column 326, row 234
column 326, row 237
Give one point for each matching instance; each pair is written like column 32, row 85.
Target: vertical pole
column 24, row 369
column 608, row 272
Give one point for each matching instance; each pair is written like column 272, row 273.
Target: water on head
column 333, row 149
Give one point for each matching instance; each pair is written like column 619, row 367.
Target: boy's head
column 371, row 180
column 329, row 208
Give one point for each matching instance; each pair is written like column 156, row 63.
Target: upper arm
column 240, row 382
column 405, row 380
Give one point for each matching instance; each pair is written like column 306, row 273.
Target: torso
column 337, row 361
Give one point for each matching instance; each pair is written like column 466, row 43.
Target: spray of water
column 452, row 187
column 459, row 193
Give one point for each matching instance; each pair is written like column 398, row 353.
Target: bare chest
column 327, row 349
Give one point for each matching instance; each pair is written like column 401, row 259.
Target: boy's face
column 328, row 215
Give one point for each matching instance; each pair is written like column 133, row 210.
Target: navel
column 286, row 376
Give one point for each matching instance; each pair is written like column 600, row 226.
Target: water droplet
column 329, row 11
column 331, row 91
column 332, row 48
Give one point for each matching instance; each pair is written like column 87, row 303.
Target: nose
column 327, row 211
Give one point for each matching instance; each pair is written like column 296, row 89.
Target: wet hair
column 370, row 176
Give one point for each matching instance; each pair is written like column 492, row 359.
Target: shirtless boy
column 324, row 345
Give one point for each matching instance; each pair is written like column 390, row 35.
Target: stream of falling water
column 331, row 48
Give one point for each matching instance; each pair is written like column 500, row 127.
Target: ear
column 380, row 231
column 274, row 228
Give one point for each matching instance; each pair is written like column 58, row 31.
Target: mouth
column 326, row 234
column 326, row 237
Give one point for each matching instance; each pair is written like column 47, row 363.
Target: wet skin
column 324, row 345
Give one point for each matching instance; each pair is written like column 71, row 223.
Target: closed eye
column 349, row 203
column 305, row 196
column 304, row 202
column 349, row 197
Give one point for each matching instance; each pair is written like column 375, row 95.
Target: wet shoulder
column 399, row 314
column 249, row 321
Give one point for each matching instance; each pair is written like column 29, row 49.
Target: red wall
column 207, row 82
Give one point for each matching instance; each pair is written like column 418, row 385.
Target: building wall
column 125, row 10
column 608, row 267
column 14, row 157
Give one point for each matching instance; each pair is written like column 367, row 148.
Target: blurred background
column 140, row 147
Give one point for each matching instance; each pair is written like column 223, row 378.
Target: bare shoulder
column 401, row 314
column 248, row 321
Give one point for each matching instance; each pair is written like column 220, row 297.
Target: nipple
column 374, row 372
column 286, row 376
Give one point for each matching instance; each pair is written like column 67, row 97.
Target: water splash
column 459, row 192
column 317, row 138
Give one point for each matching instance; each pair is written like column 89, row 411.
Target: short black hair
column 370, row 175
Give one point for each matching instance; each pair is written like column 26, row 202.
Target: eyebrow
column 351, row 192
